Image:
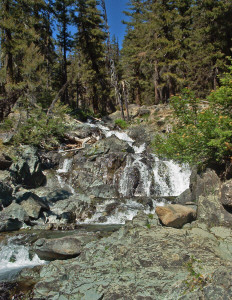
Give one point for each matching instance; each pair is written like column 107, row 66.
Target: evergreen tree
column 91, row 49
column 133, row 48
column 64, row 38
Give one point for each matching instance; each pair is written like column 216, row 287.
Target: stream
column 155, row 181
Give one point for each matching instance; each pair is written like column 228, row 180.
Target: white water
column 143, row 176
column 14, row 257
column 64, row 168
column 172, row 178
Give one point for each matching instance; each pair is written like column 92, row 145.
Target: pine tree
column 133, row 48
column 64, row 39
column 90, row 48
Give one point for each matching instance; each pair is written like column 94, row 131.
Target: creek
column 140, row 183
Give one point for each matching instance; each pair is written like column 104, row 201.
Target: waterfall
column 14, row 257
column 65, row 166
column 143, row 176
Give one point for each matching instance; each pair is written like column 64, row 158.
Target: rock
column 184, row 197
column 175, row 215
column 226, row 194
column 60, row 248
column 5, row 161
column 33, row 205
column 14, row 211
column 139, row 134
column 6, row 190
column 49, row 159
column 10, row 225
column 206, row 190
column 144, row 111
column 58, row 195
column 139, row 262
column 27, row 170
column 12, row 218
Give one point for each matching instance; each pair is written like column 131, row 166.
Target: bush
column 121, row 123
column 39, row 130
column 202, row 134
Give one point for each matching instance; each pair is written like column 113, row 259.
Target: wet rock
column 226, row 194
column 175, row 215
column 27, row 170
column 61, row 248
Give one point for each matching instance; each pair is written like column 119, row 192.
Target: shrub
column 39, row 130
column 121, row 123
column 202, row 134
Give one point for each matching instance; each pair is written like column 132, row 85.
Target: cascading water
column 144, row 175
column 64, row 167
column 14, row 257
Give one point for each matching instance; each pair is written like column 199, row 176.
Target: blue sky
column 115, row 14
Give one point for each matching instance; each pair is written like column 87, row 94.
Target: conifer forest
column 63, row 49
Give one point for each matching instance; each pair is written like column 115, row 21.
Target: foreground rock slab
column 144, row 261
column 175, row 215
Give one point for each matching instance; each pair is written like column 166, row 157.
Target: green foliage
column 39, row 130
column 203, row 133
column 121, row 123
column 195, row 279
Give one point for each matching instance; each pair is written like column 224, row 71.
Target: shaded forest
column 168, row 45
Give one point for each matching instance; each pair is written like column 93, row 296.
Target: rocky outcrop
column 206, row 188
column 144, row 261
column 27, row 170
column 175, row 215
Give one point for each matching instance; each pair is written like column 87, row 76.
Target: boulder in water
column 60, row 248
column 175, row 215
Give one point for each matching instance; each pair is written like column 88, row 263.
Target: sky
column 115, row 15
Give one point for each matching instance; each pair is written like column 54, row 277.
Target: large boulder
column 60, row 248
column 15, row 211
column 13, row 217
column 207, row 190
column 27, row 170
column 175, row 215
column 10, row 224
column 33, row 205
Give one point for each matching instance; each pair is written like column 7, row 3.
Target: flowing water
column 144, row 175
column 14, row 256
column 144, row 182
